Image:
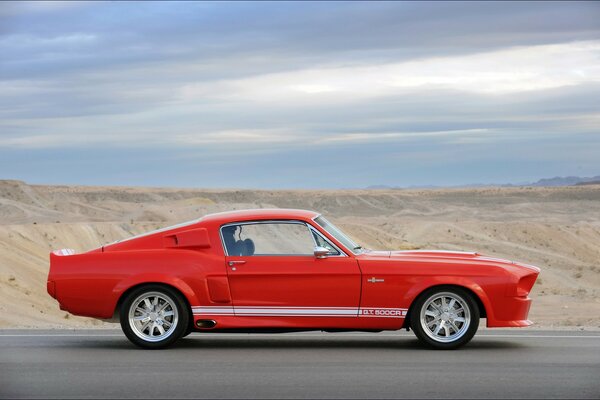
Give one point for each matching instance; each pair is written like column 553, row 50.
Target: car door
column 272, row 271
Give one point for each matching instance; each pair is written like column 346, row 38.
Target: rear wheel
column 445, row 317
column 154, row 316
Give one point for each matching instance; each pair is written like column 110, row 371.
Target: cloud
column 372, row 137
column 505, row 71
column 357, row 85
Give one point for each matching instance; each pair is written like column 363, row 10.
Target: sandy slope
column 557, row 229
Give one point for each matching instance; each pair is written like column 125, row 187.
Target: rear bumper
column 513, row 312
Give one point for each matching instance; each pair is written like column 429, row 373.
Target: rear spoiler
column 64, row 252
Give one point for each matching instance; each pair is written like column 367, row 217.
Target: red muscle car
column 285, row 270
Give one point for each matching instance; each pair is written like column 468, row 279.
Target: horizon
column 538, row 183
column 299, row 95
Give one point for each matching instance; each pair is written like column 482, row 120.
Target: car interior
column 237, row 247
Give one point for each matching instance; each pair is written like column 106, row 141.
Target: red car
column 285, row 270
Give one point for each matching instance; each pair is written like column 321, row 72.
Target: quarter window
column 322, row 242
column 338, row 234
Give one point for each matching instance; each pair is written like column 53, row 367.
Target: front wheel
column 154, row 316
column 445, row 317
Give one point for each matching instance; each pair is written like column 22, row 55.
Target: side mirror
column 321, row 252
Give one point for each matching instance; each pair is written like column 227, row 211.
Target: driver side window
column 268, row 239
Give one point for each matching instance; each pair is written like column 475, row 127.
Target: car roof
column 259, row 214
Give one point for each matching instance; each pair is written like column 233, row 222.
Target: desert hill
column 556, row 228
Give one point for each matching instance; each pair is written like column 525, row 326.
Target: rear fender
column 154, row 278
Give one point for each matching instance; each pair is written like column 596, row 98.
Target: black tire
column 189, row 329
column 429, row 310
column 173, row 319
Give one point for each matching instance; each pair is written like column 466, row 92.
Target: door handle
column 232, row 263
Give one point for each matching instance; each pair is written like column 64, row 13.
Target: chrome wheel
column 153, row 316
column 445, row 317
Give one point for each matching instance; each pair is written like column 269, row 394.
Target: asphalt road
column 496, row 364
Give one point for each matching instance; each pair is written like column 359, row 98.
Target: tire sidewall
column 415, row 318
column 190, row 329
column 182, row 323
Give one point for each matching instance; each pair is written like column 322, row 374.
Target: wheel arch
column 123, row 295
column 476, row 292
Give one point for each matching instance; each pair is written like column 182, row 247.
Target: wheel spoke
column 142, row 318
column 447, row 330
column 145, row 325
column 166, row 323
column 163, row 306
column 451, row 304
column 432, row 322
column 459, row 319
column 160, row 329
column 431, row 314
column 147, row 304
column 453, row 325
column 167, row 314
column 439, row 327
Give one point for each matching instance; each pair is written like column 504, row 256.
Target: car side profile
column 284, row 270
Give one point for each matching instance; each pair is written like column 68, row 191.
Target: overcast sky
column 298, row 95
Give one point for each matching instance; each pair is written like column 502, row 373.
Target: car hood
column 443, row 256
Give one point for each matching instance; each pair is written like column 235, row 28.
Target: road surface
column 521, row 363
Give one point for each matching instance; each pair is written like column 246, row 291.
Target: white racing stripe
column 254, row 311
column 290, row 311
column 213, row 310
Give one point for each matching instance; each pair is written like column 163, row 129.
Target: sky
column 276, row 95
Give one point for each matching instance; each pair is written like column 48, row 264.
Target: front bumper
column 512, row 312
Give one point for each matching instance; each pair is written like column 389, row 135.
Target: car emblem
column 375, row 280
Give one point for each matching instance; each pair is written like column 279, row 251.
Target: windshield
column 338, row 234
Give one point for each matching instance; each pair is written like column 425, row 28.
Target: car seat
column 248, row 247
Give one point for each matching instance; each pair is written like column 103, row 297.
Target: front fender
column 464, row 282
